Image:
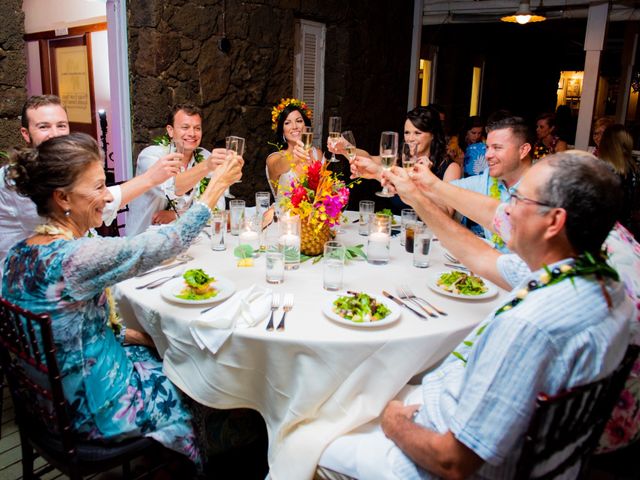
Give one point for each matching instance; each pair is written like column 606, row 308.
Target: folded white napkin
column 244, row 309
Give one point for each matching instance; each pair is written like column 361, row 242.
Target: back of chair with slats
column 28, row 359
column 565, row 428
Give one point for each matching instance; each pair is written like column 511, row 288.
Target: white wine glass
column 408, row 156
column 388, row 154
column 350, row 145
column 307, row 138
column 236, row 145
column 335, row 125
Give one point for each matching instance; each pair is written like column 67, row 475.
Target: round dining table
column 317, row 379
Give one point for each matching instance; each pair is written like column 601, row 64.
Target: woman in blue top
column 114, row 391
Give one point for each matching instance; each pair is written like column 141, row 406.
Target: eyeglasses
column 515, row 197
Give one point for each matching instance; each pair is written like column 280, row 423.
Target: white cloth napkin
column 244, row 309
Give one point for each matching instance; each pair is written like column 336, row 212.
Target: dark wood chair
column 27, row 357
column 565, row 428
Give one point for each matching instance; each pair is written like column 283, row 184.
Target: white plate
column 327, row 309
column 432, row 280
column 173, row 287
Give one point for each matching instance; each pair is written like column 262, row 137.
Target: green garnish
column 360, row 307
column 189, row 294
column 196, row 278
column 461, row 283
column 197, row 285
column 388, row 213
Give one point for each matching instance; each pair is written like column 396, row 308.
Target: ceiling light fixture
column 523, row 14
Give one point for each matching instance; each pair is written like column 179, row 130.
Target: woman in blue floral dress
column 114, row 391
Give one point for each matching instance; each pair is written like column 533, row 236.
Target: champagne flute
column 388, row 153
column 335, row 124
column 350, row 147
column 235, row 145
column 307, row 138
column 408, row 156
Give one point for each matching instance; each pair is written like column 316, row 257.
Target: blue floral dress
column 114, row 391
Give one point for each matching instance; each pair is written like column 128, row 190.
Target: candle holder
column 289, row 238
column 379, row 240
column 250, row 233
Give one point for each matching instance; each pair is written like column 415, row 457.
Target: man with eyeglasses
column 559, row 327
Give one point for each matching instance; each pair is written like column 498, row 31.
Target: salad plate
column 392, row 317
column 432, row 283
column 224, row 286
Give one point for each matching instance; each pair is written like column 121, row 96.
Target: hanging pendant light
column 523, row 14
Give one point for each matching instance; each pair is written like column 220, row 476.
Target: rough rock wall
column 174, row 57
column 13, row 72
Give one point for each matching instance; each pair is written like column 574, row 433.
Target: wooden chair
column 27, row 357
column 565, row 428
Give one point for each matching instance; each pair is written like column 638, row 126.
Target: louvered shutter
column 308, row 83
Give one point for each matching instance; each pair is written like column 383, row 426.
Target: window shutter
column 308, row 84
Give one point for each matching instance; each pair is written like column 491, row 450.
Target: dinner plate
column 432, row 280
column 173, row 287
column 327, row 309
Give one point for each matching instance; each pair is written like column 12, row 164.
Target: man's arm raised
column 473, row 252
column 158, row 173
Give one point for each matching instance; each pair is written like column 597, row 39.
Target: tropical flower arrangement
column 317, row 196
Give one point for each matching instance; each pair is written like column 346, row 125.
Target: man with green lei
column 565, row 323
column 508, row 159
column 163, row 203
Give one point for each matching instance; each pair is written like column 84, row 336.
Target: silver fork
column 161, row 281
column 287, row 306
column 275, row 304
column 410, row 294
column 405, row 295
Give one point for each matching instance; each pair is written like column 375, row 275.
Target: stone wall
column 174, row 57
column 13, row 72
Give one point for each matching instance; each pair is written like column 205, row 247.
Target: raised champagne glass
column 408, row 156
column 350, row 145
column 335, row 125
column 307, row 138
column 388, row 154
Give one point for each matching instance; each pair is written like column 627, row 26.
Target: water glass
column 421, row 248
column 250, row 232
column 275, row 263
column 333, row 265
column 407, row 215
column 218, row 229
column 289, row 238
column 367, row 208
column 236, row 215
column 379, row 240
column 263, row 201
column 235, row 145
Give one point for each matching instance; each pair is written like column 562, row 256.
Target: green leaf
column 468, row 343
column 243, row 251
column 457, row 355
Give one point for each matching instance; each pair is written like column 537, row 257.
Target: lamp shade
column 523, row 15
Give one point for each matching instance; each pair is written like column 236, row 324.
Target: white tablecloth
column 317, row 379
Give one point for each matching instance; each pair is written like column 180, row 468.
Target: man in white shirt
column 44, row 117
column 161, row 204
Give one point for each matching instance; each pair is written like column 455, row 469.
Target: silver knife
column 160, row 269
column 403, row 304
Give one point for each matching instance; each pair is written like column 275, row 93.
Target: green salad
column 461, row 283
column 360, row 307
column 197, row 285
column 389, row 213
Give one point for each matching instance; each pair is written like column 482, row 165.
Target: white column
column 416, row 41
column 593, row 44
column 627, row 62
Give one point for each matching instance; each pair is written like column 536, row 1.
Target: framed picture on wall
column 574, row 87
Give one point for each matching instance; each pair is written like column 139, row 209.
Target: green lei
column 586, row 264
column 198, row 157
column 494, row 192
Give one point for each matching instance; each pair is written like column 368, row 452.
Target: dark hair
column 517, row 125
column 550, row 118
column 471, row 122
column 588, row 191
column 54, row 164
column 187, row 108
column 38, row 101
column 427, row 119
column 281, row 119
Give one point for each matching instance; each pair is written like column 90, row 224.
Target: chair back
column 565, row 428
column 27, row 357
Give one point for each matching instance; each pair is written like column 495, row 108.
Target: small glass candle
column 289, row 238
column 379, row 240
column 250, row 233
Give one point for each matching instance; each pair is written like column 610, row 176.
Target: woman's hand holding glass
column 365, row 167
column 398, row 180
column 300, row 154
column 218, row 157
column 423, row 177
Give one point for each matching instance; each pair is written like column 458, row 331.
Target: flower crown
column 285, row 102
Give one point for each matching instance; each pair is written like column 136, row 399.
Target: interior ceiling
column 487, row 11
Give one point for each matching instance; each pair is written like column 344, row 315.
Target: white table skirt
column 318, row 379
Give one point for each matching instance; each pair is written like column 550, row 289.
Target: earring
column 67, row 213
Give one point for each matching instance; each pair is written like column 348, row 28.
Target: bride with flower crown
column 288, row 120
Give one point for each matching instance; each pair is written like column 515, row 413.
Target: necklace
column 48, row 229
column 586, row 264
column 494, row 192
